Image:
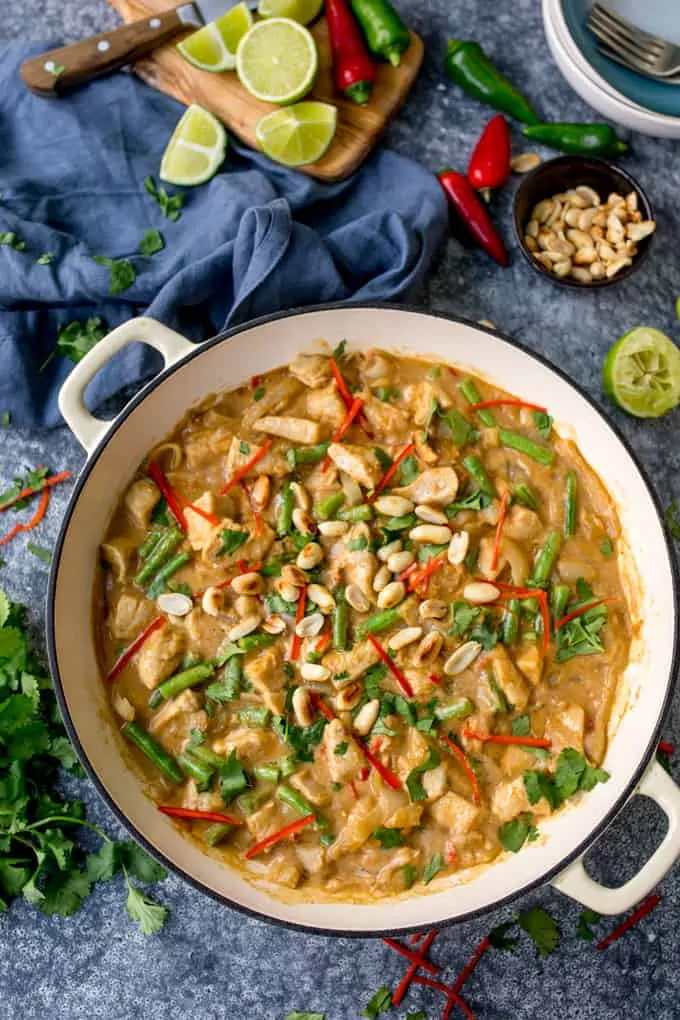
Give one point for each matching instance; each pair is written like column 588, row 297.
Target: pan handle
column 575, row 882
column 87, row 429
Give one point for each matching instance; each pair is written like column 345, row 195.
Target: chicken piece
column 436, row 486
column 516, row 760
column 405, row 817
column 267, row 819
column 327, row 407
column 199, row 531
column 253, row 550
column 267, row 677
column 566, row 728
column 510, row 799
column 185, row 704
column 340, row 766
column 423, row 396
column 208, row 800
column 312, row 858
column 139, row 501
column 122, row 707
column 435, row 782
column 510, row 554
column 455, row 813
column 360, row 565
column 377, row 368
column 236, row 458
column 284, row 868
column 275, row 400
column 530, row 662
column 416, row 750
column 390, row 878
column 354, row 662
column 508, row 677
column 310, row 787
column 204, row 632
column 386, row 420
column 119, row 553
column 129, row 615
column 521, row 523
column 160, row 655
column 203, row 444
column 247, row 742
column 314, row 370
column 359, row 462
column 366, row 816
column 298, row 430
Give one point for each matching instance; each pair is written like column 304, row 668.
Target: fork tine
column 619, row 42
column 637, row 36
column 610, row 54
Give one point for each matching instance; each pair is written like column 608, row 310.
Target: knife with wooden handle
column 51, row 74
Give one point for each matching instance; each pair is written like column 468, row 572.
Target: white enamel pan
column 115, row 449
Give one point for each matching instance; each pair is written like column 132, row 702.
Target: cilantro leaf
column 64, row 892
column 122, row 273
column 583, row 929
column 514, row 834
column 570, row 768
column 151, row 243
column 383, row 458
column 463, row 615
column 410, row 873
column 607, row 548
column 499, row 939
column 388, row 838
column 231, row 541
column 408, row 470
column 521, row 726
column 232, row 778
column 104, row 863
column 170, row 205
column 432, row 868
column 62, row 749
column 380, row 1003
column 357, row 544
column 672, row 520
column 149, row 915
column 10, row 238
column 139, row 864
column 341, row 749
column 419, row 1015
column 540, row 927
column 414, row 783
column 5, row 419
column 543, row 423
column 475, row 500
column 76, row 339
column 46, row 259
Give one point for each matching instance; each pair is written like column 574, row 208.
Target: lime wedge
column 302, row 11
column 277, row 60
column 641, row 373
column 298, row 135
column 213, row 48
column 196, row 149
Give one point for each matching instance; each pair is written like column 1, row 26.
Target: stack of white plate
column 632, row 100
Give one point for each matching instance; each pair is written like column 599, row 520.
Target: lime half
column 213, row 48
column 196, row 149
column 302, row 11
column 277, row 60
column 298, row 135
column 641, row 373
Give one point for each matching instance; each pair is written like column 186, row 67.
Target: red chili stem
column 490, row 161
column 299, row 616
column 171, row 497
column 354, row 410
column 453, row 999
column 434, row 563
column 243, row 471
column 645, row 908
column 288, row 830
column 25, row 493
column 391, row 471
column 472, row 212
column 392, row 666
column 666, row 747
column 417, row 961
column 134, row 647
column 467, row 970
column 506, row 403
column 505, row 738
column 467, row 767
column 198, row 816
column 392, row 781
column 353, row 70
column 499, row 530
column 581, row 610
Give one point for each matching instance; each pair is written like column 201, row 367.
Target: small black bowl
column 561, row 174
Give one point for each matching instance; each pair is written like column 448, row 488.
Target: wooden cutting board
column 359, row 127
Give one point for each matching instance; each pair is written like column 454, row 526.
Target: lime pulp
column 641, row 373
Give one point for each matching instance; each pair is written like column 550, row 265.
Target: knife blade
column 68, row 67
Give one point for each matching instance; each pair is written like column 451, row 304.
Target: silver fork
column 639, row 50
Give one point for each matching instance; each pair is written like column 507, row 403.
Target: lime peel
column 213, row 47
column 297, row 135
column 641, row 373
column 196, row 149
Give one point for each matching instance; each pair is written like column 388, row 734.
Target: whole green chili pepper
column 181, row 682
column 468, row 66
column 153, row 751
column 580, row 139
column 386, row 34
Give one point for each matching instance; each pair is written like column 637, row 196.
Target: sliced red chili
column 352, row 413
column 506, row 403
column 391, row 471
column 581, row 610
column 243, row 471
column 288, row 830
column 434, row 563
column 467, row 767
column 453, row 999
column 645, row 908
column 392, row 666
column 434, row 679
column 34, row 521
column 469, row 967
column 666, row 747
column 171, row 498
column 134, row 647
column 25, row 493
column 343, row 389
column 198, row 816
column 506, row 738
column 393, row 781
column 299, row 616
column 321, row 705
column 417, row 961
column 499, row 530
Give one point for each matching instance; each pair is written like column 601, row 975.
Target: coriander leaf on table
column 139, row 864
column 149, row 915
column 64, row 892
column 10, row 238
column 542, row 928
column 583, row 929
column 380, row 1003
column 76, row 339
column 123, row 273
column 151, row 243
column 498, row 937
column 170, row 205
column 104, row 863
column 5, row 419
column 46, row 259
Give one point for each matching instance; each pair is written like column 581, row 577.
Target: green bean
column 460, row 428
column 459, row 709
column 233, row 674
column 547, row 558
column 170, row 568
column 163, row 549
column 476, row 470
column 400, row 523
column 379, row 621
column 250, row 802
column 181, row 682
column 149, row 544
column 307, row 455
column 340, row 623
column 328, row 507
column 272, row 568
column 471, row 394
column 560, row 597
column 163, row 761
column 255, row 716
column 570, row 505
column 511, row 622
column 267, row 773
column 196, row 770
column 363, row 512
column 284, row 518
column 516, row 441
column 207, row 756
column 295, row 800
column 525, row 496
column 287, row 766
column 252, row 642
column 217, row 833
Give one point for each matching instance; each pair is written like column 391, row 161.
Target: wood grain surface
column 359, row 127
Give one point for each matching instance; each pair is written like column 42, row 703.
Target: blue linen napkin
column 256, row 239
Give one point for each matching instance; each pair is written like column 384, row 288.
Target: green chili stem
column 516, row 441
column 170, row 568
column 379, row 621
column 570, row 505
column 511, row 622
column 471, row 394
column 328, row 507
column 181, row 682
column 363, row 512
column 163, row 761
column 476, row 470
column 547, row 558
column 163, row 549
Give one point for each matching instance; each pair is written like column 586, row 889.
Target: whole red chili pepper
column 470, row 208
column 490, row 162
column 353, row 69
